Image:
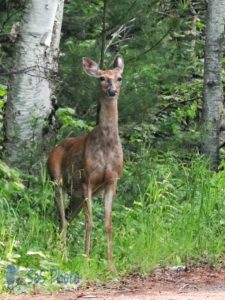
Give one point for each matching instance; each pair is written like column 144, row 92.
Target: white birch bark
column 213, row 93
column 29, row 102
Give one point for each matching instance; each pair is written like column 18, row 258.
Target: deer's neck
column 108, row 117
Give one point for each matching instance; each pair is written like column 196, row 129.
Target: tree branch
column 103, row 35
column 151, row 48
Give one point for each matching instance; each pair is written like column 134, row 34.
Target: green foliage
column 3, row 92
column 161, row 45
column 162, row 49
column 167, row 212
column 162, row 84
column 10, row 13
column 83, row 21
column 10, row 184
column 70, row 125
column 177, row 219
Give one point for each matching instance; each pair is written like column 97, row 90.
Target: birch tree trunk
column 32, row 86
column 213, row 92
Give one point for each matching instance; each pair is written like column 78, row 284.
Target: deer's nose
column 111, row 92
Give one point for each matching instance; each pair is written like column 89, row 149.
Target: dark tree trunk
column 213, row 94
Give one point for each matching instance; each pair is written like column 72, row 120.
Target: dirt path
column 161, row 284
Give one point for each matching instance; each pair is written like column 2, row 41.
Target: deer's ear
column 91, row 67
column 118, row 63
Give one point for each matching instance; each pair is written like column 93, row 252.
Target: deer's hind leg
column 59, row 199
column 75, row 204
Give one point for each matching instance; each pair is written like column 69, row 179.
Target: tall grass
column 167, row 212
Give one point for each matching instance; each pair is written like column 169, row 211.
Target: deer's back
column 90, row 159
column 65, row 158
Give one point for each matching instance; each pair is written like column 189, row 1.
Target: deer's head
column 110, row 80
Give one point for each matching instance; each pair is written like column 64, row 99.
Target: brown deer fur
column 82, row 166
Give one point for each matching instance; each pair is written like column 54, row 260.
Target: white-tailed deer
column 82, row 166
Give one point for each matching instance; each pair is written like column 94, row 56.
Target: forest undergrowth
column 168, row 211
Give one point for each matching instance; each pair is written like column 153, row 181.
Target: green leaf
column 1, row 104
column 200, row 25
column 18, row 186
column 38, row 253
column 3, row 93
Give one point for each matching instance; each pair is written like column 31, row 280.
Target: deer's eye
column 102, row 78
column 119, row 78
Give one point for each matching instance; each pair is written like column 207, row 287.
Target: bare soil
column 160, row 284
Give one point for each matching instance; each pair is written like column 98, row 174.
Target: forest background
column 170, row 206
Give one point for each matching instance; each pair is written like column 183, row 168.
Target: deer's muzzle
column 111, row 93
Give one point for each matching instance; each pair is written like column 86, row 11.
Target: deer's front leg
column 59, row 199
column 109, row 195
column 88, row 216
